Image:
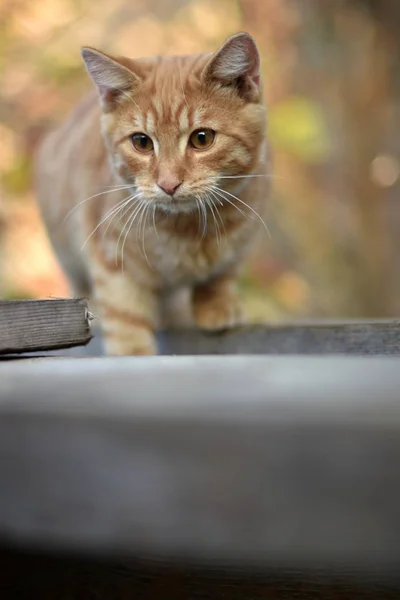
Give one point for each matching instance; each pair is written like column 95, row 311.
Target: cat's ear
column 237, row 63
column 110, row 77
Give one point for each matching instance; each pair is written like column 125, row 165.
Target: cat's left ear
column 237, row 63
column 111, row 78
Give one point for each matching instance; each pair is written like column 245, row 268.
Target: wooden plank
column 270, row 462
column 49, row 576
column 360, row 338
column 29, row 325
column 379, row 337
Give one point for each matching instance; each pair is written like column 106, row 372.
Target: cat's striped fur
column 119, row 235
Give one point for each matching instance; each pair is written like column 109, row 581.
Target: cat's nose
column 169, row 185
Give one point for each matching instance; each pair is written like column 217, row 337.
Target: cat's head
column 177, row 127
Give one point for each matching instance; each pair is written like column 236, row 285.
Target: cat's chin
column 177, row 206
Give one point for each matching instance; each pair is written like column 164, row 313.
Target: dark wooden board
column 270, row 462
column 29, row 325
column 27, row 576
column 379, row 337
column 362, row 338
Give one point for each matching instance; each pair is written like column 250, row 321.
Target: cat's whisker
column 121, row 186
column 147, row 213
column 140, row 215
column 115, row 189
column 212, row 206
column 212, row 192
column 267, row 175
column 128, row 224
column 109, row 213
column 203, row 212
column 130, row 209
column 208, row 204
column 247, row 206
column 216, row 199
column 122, row 210
column 143, row 222
column 246, row 216
column 219, row 215
column 126, row 210
column 141, row 229
column 154, row 221
column 198, row 212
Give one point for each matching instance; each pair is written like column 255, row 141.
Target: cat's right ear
column 237, row 63
column 110, row 77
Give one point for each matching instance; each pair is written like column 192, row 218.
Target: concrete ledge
column 250, row 461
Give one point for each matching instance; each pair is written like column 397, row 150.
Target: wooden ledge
column 324, row 337
column 241, row 460
column 381, row 337
column 50, row 325
column 29, row 325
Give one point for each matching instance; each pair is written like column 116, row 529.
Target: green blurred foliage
column 16, row 180
column 297, row 125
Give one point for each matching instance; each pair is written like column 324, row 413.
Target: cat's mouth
column 177, row 203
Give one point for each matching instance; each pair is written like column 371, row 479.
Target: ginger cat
column 163, row 200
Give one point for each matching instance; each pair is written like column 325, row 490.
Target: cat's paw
column 220, row 314
column 131, row 345
column 129, row 350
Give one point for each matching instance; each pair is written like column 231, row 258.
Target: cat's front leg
column 217, row 304
column 128, row 315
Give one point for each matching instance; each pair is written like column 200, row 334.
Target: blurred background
column 332, row 77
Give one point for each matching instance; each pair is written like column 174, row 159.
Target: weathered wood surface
column 29, row 325
column 262, row 462
column 376, row 337
column 52, row 577
column 381, row 337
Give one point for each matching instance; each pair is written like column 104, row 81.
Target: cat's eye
column 142, row 143
column 202, row 139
